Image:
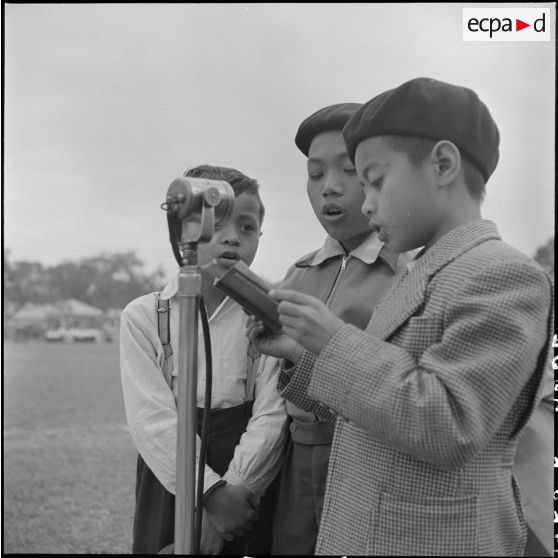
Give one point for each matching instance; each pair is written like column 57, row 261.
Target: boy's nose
column 332, row 186
column 228, row 234
column 369, row 205
column 231, row 239
column 231, row 242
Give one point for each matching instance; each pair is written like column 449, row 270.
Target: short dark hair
column 418, row 149
column 239, row 182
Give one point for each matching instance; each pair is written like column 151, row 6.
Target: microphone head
column 186, row 196
column 179, row 200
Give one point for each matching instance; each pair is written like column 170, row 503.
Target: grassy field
column 69, row 462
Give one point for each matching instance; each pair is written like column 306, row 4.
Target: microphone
column 187, row 196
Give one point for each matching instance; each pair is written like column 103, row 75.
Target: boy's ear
column 447, row 161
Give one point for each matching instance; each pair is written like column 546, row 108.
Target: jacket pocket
column 429, row 527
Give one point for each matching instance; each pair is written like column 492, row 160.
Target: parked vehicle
column 72, row 335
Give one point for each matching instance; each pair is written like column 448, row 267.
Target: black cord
column 205, row 423
column 174, row 234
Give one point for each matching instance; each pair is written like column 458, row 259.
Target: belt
column 312, row 433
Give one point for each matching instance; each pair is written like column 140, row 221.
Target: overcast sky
column 106, row 104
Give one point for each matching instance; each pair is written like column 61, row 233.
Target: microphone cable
column 205, row 422
column 174, row 233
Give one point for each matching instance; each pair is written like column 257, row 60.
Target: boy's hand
column 232, row 510
column 306, row 319
column 210, row 541
column 275, row 344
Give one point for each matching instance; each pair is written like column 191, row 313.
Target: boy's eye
column 315, row 175
column 377, row 184
column 248, row 228
column 351, row 171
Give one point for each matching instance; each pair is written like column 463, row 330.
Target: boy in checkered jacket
column 432, row 398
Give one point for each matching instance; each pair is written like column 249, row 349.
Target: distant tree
column 116, row 279
column 105, row 281
column 24, row 282
column 545, row 256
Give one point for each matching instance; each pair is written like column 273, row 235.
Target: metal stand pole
column 189, row 293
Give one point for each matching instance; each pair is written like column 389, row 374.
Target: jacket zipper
column 341, row 269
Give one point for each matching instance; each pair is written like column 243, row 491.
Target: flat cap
column 425, row 107
column 333, row 117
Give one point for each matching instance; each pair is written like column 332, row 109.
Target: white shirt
column 415, row 255
column 151, row 405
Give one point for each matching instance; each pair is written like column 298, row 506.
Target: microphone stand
column 189, row 293
column 191, row 203
column 198, row 227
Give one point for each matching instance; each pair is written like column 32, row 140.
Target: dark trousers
column 301, row 498
column 154, row 517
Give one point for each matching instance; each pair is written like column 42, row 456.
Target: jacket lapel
column 408, row 295
column 399, row 304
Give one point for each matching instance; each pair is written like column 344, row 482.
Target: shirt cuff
column 233, row 478
column 212, row 488
column 210, row 479
column 288, row 367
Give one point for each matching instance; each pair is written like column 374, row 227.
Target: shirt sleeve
column 149, row 401
column 445, row 405
column 259, row 453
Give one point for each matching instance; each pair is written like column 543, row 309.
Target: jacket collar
column 407, row 295
column 367, row 252
column 455, row 243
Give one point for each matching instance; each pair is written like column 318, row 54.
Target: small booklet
column 249, row 290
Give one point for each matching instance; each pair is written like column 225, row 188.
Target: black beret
column 333, row 117
column 424, row 107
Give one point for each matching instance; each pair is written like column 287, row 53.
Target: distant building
column 31, row 321
column 63, row 320
column 77, row 314
column 111, row 326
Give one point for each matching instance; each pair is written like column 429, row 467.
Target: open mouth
column 229, row 256
column 332, row 210
column 382, row 233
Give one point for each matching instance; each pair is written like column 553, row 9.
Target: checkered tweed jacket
column 431, row 400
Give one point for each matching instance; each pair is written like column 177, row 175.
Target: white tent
column 33, row 313
column 73, row 307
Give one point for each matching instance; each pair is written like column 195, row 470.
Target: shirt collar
column 367, row 252
column 413, row 261
column 171, row 289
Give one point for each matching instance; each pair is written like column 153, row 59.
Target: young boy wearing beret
column 349, row 274
column 432, row 397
